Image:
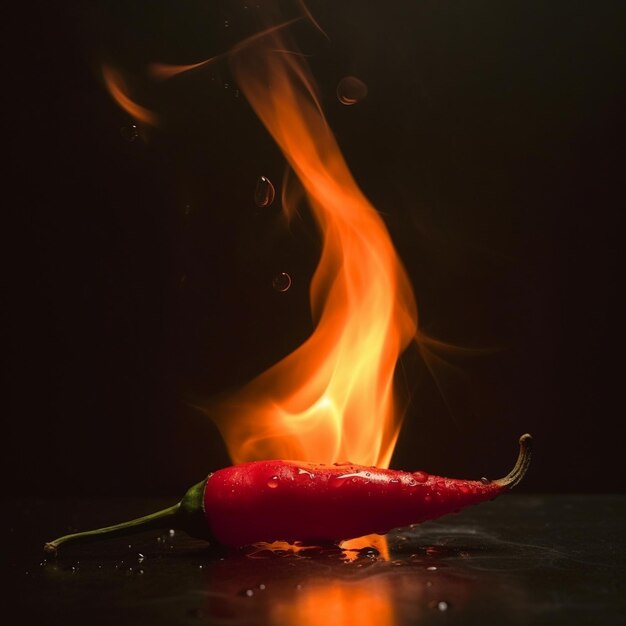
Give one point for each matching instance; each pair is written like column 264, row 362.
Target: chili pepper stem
column 187, row 515
column 161, row 519
column 521, row 465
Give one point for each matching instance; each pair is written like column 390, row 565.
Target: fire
column 332, row 398
column 119, row 91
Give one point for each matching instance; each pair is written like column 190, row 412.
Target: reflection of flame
column 362, row 603
column 332, row 398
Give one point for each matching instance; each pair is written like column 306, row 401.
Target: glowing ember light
column 332, row 398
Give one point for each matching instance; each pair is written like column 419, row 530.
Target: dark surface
column 522, row 559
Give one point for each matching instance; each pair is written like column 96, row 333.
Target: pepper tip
column 521, row 466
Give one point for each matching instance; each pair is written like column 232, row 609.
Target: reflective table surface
column 521, row 559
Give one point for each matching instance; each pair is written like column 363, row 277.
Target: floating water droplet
column 351, row 90
column 272, row 483
column 226, row 23
column 130, row 132
column 171, row 532
column 140, row 557
column 420, row 477
column 139, row 572
column 298, row 586
column 429, row 583
column 281, row 282
column 485, row 481
column 264, row 192
column 249, row 593
column 442, row 606
column 432, row 568
column 200, row 566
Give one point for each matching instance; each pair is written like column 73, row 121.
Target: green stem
column 161, row 519
column 187, row 515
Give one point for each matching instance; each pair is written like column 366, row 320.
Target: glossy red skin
column 292, row 501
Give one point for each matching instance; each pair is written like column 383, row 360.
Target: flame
column 119, row 91
column 351, row 547
column 332, row 398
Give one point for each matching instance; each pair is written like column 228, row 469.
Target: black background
column 139, row 274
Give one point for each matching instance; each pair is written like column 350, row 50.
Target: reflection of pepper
column 292, row 501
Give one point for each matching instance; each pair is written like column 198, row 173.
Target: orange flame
column 118, row 90
column 332, row 398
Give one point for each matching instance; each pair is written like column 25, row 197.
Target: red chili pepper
column 292, row 501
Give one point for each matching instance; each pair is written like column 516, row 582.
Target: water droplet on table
column 130, row 132
column 281, row 282
column 264, row 192
column 351, row 90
